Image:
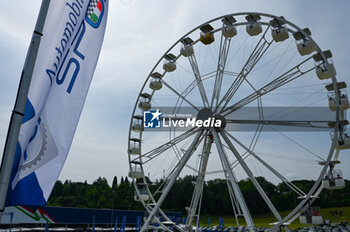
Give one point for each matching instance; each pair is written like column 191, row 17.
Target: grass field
column 265, row 220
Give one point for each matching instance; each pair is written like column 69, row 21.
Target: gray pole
column 18, row 111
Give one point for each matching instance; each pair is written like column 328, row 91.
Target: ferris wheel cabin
column 187, row 49
column 279, row 29
column 136, row 173
column 135, row 170
column 145, row 101
column 305, row 46
column 334, row 180
column 228, row 29
column 206, row 35
column 343, row 143
column 253, row 27
column 343, row 101
column 311, row 215
column 322, row 71
column 137, row 123
column 135, row 146
column 343, row 97
column 156, row 83
column 169, row 63
column 143, row 193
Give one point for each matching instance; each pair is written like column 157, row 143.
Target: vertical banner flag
column 66, row 60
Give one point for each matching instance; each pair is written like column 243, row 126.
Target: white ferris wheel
column 253, row 61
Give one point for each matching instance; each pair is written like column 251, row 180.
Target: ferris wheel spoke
column 194, row 65
column 173, row 169
column 223, row 53
column 172, row 179
column 233, row 180
column 198, row 189
column 274, row 171
column 290, row 123
column 253, row 59
column 234, row 201
column 251, row 176
column 278, row 82
column 182, row 96
column 193, row 85
column 251, row 145
column 235, row 206
column 148, row 156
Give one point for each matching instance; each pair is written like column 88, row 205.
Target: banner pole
column 18, row 111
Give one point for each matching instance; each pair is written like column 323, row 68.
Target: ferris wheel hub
column 207, row 114
column 223, row 121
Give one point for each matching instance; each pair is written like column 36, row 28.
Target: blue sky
column 138, row 33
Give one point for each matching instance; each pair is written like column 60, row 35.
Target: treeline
column 216, row 199
column 96, row 195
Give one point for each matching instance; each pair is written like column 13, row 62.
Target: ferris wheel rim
column 334, row 139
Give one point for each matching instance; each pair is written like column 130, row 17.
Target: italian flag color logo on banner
column 95, row 12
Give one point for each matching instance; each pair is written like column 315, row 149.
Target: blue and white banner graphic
column 67, row 57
